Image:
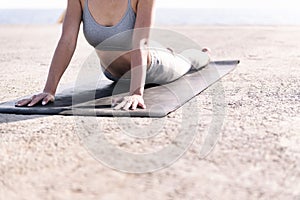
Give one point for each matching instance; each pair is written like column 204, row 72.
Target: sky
column 271, row 4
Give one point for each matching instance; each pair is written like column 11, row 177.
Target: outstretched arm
column 62, row 55
column 144, row 21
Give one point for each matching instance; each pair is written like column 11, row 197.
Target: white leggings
column 166, row 66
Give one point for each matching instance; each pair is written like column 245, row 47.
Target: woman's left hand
column 130, row 102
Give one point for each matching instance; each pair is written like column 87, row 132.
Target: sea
column 174, row 16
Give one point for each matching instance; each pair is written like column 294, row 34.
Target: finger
column 134, row 105
column 36, row 99
column 23, row 102
column 116, row 100
column 120, row 99
column 120, row 105
column 47, row 99
column 142, row 104
column 127, row 105
column 113, row 102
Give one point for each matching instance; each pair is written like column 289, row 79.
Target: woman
column 103, row 19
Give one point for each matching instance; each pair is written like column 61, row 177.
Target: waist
column 120, row 66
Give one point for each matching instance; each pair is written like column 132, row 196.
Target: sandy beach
column 257, row 155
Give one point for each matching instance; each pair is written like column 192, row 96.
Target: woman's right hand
column 45, row 97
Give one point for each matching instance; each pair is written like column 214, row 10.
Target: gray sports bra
column 112, row 38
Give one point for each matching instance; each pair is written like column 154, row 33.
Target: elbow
column 144, row 47
column 141, row 44
column 144, row 43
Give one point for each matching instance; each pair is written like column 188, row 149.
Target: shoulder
column 74, row 8
column 145, row 4
column 81, row 2
column 76, row 3
column 145, row 13
column 136, row 3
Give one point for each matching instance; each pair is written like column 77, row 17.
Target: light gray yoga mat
column 160, row 100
